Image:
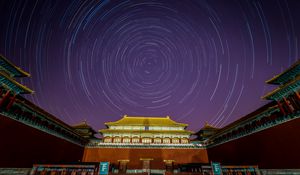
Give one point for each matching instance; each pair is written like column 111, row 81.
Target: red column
column 281, row 108
column 12, row 100
column 288, row 105
column 4, row 98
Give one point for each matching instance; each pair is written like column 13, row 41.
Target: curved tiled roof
column 10, row 83
column 11, row 69
column 287, row 75
column 145, row 121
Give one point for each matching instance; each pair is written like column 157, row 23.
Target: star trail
column 195, row 61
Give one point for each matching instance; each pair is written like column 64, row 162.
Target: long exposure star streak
column 195, row 61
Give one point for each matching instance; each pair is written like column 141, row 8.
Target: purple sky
column 196, row 60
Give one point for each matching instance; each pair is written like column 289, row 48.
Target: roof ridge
column 139, row 120
column 143, row 117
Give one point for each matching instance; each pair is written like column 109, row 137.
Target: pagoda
column 146, row 130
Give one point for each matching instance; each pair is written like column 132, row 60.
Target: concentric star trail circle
column 196, row 61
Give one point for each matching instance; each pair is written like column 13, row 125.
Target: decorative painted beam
column 284, row 91
column 13, row 85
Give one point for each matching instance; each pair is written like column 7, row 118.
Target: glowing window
column 166, row 140
column 126, row 140
column 157, row 140
column 117, row 140
column 107, row 140
column 175, row 140
column 146, row 140
column 135, row 140
column 184, row 140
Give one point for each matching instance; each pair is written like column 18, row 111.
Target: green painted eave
column 13, row 85
column 11, row 69
column 284, row 91
column 286, row 76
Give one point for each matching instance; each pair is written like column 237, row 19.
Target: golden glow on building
column 146, row 130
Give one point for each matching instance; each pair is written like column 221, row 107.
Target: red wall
column 22, row 146
column 276, row 147
column 158, row 155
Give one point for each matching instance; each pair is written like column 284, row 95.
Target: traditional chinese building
column 29, row 134
column 10, row 88
column 287, row 94
column 267, row 137
column 85, row 130
column 150, row 130
column 139, row 144
column 206, row 132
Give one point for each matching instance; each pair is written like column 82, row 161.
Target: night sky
column 195, row 61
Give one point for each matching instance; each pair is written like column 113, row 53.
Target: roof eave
column 276, row 77
column 26, row 89
column 18, row 69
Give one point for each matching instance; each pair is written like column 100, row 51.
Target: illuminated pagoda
column 147, row 130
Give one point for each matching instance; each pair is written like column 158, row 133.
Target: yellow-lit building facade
column 145, row 130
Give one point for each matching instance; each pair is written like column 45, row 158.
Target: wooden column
column 280, row 107
column 11, row 102
column 288, row 105
column 4, row 98
column 297, row 99
column 295, row 102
